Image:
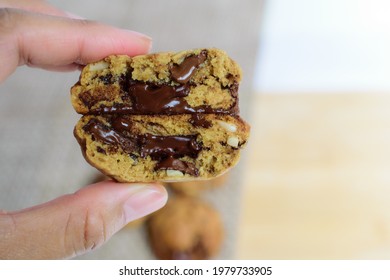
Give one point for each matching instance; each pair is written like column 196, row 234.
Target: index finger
column 60, row 43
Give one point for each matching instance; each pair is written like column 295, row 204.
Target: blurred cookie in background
column 186, row 228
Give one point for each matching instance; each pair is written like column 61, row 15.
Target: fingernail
column 144, row 201
column 140, row 35
column 146, row 40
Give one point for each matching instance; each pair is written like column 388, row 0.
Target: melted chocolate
column 164, row 149
column 183, row 72
column 153, row 99
column 198, row 120
column 160, row 147
column 149, row 98
column 121, row 124
column 108, row 136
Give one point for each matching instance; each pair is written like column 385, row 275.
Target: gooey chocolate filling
column 166, row 150
column 148, row 98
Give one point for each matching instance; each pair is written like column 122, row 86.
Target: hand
column 36, row 34
column 55, row 41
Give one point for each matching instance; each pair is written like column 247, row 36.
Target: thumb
column 74, row 224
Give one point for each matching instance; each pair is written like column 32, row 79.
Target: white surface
column 324, row 45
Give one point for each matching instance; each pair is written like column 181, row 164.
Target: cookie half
column 145, row 148
column 193, row 81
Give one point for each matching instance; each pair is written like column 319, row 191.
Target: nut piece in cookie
column 186, row 228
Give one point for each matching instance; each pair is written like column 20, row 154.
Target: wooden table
column 317, row 182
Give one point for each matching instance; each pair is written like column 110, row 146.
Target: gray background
column 40, row 159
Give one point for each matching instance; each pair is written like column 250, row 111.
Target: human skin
column 35, row 34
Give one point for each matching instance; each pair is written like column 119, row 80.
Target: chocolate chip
column 199, row 120
column 183, row 72
column 106, row 79
column 101, row 150
column 134, row 157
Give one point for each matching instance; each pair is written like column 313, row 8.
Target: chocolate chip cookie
column 165, row 116
column 186, row 228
